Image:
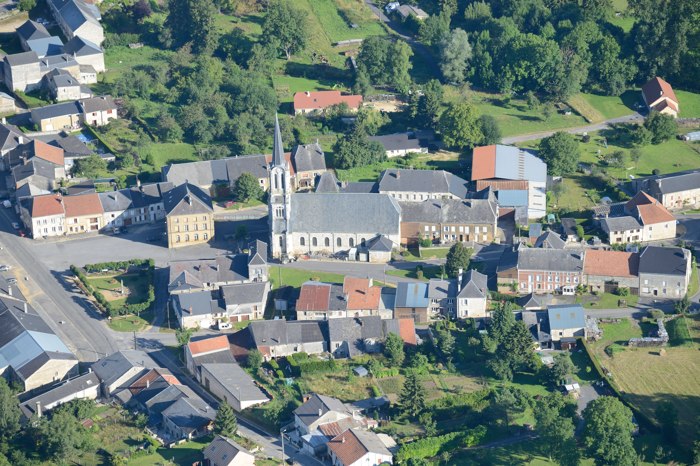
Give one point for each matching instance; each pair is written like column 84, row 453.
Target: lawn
column 131, row 322
column 595, row 107
column 135, row 287
column 514, row 117
column 608, row 301
column 336, row 21
column 288, row 276
column 120, row 59
column 428, row 272
column 287, row 86
column 619, row 333
column 689, row 103
column 184, row 454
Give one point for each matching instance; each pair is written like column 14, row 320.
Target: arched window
column 196, row 237
column 187, row 238
column 352, row 242
column 302, row 241
column 327, row 242
column 314, row 241
column 339, row 242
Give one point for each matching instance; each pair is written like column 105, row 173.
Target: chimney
column 4, row 120
column 26, row 309
column 370, row 283
column 320, row 412
column 9, row 290
column 190, row 310
column 189, row 199
column 20, row 140
column 148, row 383
column 38, row 409
column 343, row 439
column 307, row 93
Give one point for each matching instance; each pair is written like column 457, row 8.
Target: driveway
column 577, row 130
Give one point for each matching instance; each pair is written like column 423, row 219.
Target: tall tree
column 608, row 432
column 459, row 125
column 412, row 397
column 662, row 127
column 561, row 368
column 455, row 53
column 386, row 62
column 517, row 347
column 490, row 130
column 502, row 320
column 434, row 29
column 9, row 410
column 247, row 187
column 225, row 422
column 554, row 424
column 61, row 436
column 561, row 153
column 285, row 27
column 192, row 21
column 458, row 257
column 355, row 149
column 429, row 102
column 394, row 349
column 255, row 359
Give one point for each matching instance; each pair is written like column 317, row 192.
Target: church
column 354, row 226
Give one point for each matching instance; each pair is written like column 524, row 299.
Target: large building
column 420, row 185
column 644, row 219
column 675, row 190
column 189, row 216
column 534, row 270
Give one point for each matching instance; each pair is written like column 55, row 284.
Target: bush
column 376, row 392
column 657, row 314
column 429, row 447
column 273, row 364
column 280, row 374
column 612, row 350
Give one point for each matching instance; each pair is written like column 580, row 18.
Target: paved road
column 577, row 130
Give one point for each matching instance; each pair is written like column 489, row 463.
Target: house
column 352, row 336
column 84, row 213
column 321, row 301
column 10, row 138
column 188, row 418
column 148, row 202
column 7, row 104
column 400, row 144
column 473, row 295
column 198, row 309
column 22, row 71
column 223, row 451
column 36, row 176
column 566, row 321
column 409, row 10
column 537, row 322
column 442, row 294
column 206, row 350
column 98, row 111
column 533, row 270
column 119, row 370
column 517, row 176
column 46, row 46
column 86, row 53
column 115, row 204
column 86, row 386
column 606, row 271
column 447, row 221
column 279, row 338
column 63, row 86
column 357, row 447
column 664, row 272
column 309, row 163
column 31, row 354
column 318, row 410
column 78, row 18
column 43, row 215
column 31, row 30
column 361, row 296
column 658, row 95
column 569, row 230
column 317, row 102
column 420, row 185
column 550, row 240
column 644, row 219
column 412, row 302
column 66, row 115
column 231, row 384
column 74, row 149
column 189, row 216
column 675, row 190
column 245, row 301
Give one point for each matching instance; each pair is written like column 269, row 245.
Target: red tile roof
column 649, row 210
column 324, row 99
column 45, row 205
column 314, row 297
column 347, row 447
column 407, row 331
column 610, row 263
column 48, row 152
column 150, row 376
column 208, row 345
column 484, row 163
column 361, row 294
column 83, row 204
column 287, row 157
column 656, row 88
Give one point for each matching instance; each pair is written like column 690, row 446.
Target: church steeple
column 278, row 159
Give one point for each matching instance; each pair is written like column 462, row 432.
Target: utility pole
column 282, row 438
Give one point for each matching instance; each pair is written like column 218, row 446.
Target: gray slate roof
column 326, row 182
column 22, row 58
column 308, row 412
column 474, row 285
column 190, row 414
column 208, row 172
column 112, row 367
column 236, row 380
column 32, row 30
column 75, row 13
column 244, row 293
column 442, row 289
column 308, row 157
column 449, row 211
column 60, row 392
column 81, row 47
column 397, row 141
column 187, row 199
column 624, row 223
column 566, row 316
column 359, row 187
column 676, row 183
column 72, row 147
column 9, row 137
column 98, row 104
column 223, row 451
column 380, row 243
column 550, row 260
column 664, row 261
column 44, row 46
column 349, row 213
column 423, row 181
column 187, row 274
column 56, row 110
column 282, row 332
column 195, row 303
column 550, row 240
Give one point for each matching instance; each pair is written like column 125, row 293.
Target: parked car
column 7, row 203
column 4, row 268
column 12, row 280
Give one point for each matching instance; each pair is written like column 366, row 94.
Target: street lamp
column 282, row 431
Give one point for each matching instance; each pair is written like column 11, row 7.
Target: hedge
column 119, row 265
column 429, row 447
column 383, row 373
column 311, row 366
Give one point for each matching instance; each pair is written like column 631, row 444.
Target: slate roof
column 236, row 380
column 410, row 294
column 258, row 253
column 195, row 303
column 22, row 58
column 98, row 104
column 624, row 223
column 282, row 332
column 50, row 62
column 10, row 136
column 149, row 194
column 508, row 163
column 474, row 285
column 188, row 274
column 537, row 322
column 244, row 293
column 349, row 213
column 359, row 187
column 72, row 146
column 308, row 412
column 442, row 289
column 677, row 183
column 81, row 47
column 46, row 46
column 309, row 157
column 32, row 30
column 326, row 182
column 223, row 451
column 550, row 240
column 566, row 316
column 380, row 243
column 663, row 261
column 110, row 368
column 423, row 181
column 353, row 444
column 397, row 141
column 550, row 260
column 530, row 301
column 449, row 211
column 189, row 414
column 56, row 110
column 187, row 199
column 355, row 330
column 166, row 397
column 75, row 13
column 38, row 167
column 59, row 393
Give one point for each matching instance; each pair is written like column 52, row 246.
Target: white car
column 4, row 268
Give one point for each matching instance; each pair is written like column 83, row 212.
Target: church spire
column 278, row 159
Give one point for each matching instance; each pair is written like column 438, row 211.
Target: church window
column 281, row 242
column 327, row 242
column 314, row 242
column 302, row 241
column 339, row 242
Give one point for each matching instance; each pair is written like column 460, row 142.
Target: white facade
column 52, row 225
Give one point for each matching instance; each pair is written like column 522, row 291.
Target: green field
column 689, row 103
column 428, row 272
column 606, row 107
column 609, row 301
column 330, row 16
column 287, row 86
column 287, row 276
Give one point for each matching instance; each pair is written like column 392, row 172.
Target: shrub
column 612, row 350
column 273, row 364
column 376, row 392
column 279, row 373
column 657, row 314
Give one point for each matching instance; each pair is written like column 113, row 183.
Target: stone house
column 278, row 338
column 223, row 451
column 605, row 271
column 664, row 272
column 566, row 321
column 400, row 144
column 189, row 216
column 43, row 215
column 98, row 111
column 78, row 18
column 412, row 302
column 358, row 447
column 644, row 219
column 675, row 190
column 84, row 213
column 534, row 270
column 421, row 185
column 86, row 53
column 7, row 104
column 231, row 384
column 658, row 95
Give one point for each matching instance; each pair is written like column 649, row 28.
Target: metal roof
column 514, row 163
column 410, row 294
column 236, row 381
column 512, row 198
column 566, row 316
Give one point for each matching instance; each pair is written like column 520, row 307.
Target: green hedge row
column 383, row 373
column 119, row 265
column 429, row 447
column 309, row 366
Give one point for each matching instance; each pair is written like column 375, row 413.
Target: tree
column 255, row 359
column 455, row 53
column 683, row 305
column 667, row 415
column 560, row 152
column 385, row 62
column 167, row 128
column 635, row 155
column 9, row 410
column 460, row 127
column 412, row 397
column 608, row 432
column 490, row 130
column 662, row 127
column 247, row 187
column 510, row 401
column 285, row 27
column 517, row 347
column 477, row 14
column 501, row 369
column 61, row 436
column 554, row 424
column 458, row 257
column 90, row 167
column 192, row 21
column 183, row 335
column 434, row 29
column 502, row 320
column 26, row 5
column 394, row 349
column 355, row 149
column 225, row 422
column 561, row 368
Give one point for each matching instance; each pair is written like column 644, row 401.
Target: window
column 187, row 238
column 314, row 242
column 196, row 237
column 302, row 241
column 187, row 228
column 352, row 242
column 339, row 242
column 206, row 237
column 177, row 239
column 327, row 242
column 363, row 242
column 427, row 228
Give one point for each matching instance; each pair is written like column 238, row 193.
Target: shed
column 360, row 371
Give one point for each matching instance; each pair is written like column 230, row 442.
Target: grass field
column 609, row 301
column 689, row 103
column 287, row 276
column 595, row 107
column 287, row 86
column 428, row 272
column 336, row 21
